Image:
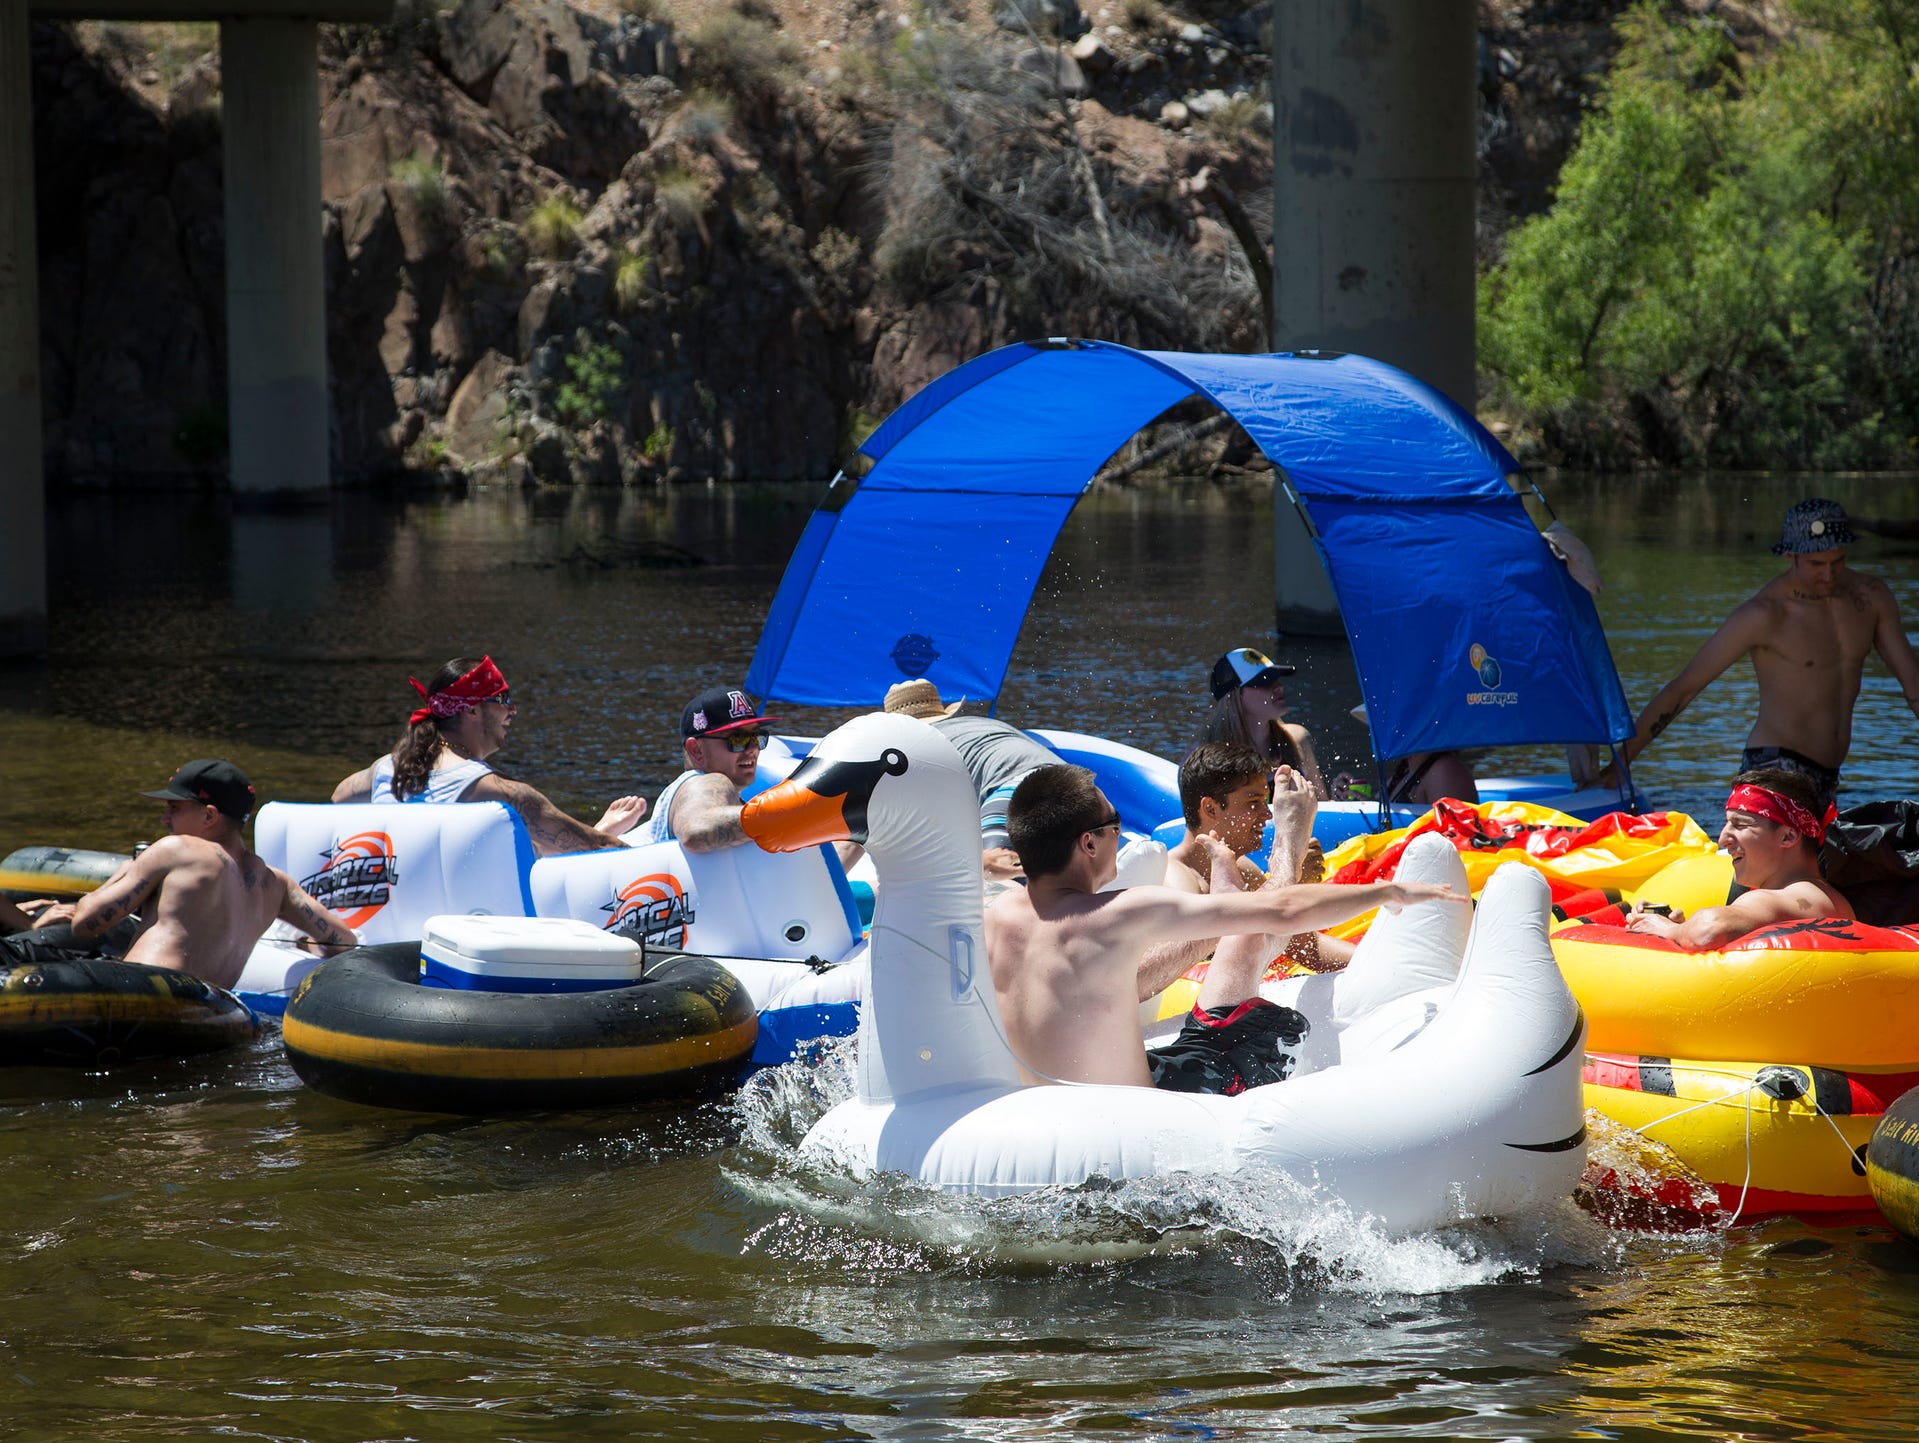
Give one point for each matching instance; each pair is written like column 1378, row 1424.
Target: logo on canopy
column 358, row 878
column 914, row 654
column 1486, row 669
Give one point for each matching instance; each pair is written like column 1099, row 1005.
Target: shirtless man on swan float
column 1066, row 957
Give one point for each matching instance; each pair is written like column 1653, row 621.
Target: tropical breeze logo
column 654, row 910
column 1486, row 670
column 358, row 878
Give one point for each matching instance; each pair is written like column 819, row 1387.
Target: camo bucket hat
column 1813, row 525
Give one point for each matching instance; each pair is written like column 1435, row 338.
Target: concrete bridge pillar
column 23, row 526
column 276, row 286
column 1374, row 170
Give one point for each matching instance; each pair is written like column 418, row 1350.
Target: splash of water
column 1288, row 1237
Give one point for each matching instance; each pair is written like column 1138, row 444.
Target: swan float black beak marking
column 823, row 801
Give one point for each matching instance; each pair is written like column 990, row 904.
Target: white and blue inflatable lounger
column 784, row 920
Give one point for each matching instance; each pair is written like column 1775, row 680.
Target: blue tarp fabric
column 1465, row 629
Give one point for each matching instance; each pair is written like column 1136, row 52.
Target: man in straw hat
column 1808, row 632
column 997, row 756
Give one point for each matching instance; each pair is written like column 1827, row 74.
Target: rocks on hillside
column 572, row 243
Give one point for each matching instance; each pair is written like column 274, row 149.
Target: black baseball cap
column 719, row 711
column 219, row 783
column 1243, row 666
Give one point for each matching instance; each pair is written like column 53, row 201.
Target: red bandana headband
column 1783, row 810
column 459, row 696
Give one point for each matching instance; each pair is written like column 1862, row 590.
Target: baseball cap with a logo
column 719, row 711
column 217, row 783
column 1243, row 666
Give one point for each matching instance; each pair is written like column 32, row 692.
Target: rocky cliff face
column 582, row 242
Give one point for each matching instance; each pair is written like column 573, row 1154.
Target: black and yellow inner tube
column 361, row 1027
column 94, row 1012
column 1892, row 1165
column 59, row 872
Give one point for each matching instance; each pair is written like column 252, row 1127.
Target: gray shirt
column 996, row 754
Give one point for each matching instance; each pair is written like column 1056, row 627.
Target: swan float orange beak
column 823, row 801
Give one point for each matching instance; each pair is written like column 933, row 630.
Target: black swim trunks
column 1825, row 778
column 1226, row 1050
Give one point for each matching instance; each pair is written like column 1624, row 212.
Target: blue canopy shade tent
column 1466, row 630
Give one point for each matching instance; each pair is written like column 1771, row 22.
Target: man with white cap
column 1808, row 632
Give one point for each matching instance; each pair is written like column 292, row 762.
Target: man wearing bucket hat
column 1808, row 632
column 201, row 897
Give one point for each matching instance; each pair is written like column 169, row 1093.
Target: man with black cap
column 1808, row 632
column 201, row 897
column 721, row 732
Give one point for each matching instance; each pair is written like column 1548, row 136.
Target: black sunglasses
column 742, row 741
column 502, row 697
column 1112, row 821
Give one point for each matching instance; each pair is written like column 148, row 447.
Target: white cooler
column 525, row 954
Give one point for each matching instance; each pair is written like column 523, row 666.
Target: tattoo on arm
column 316, row 921
column 710, row 815
column 110, row 904
column 551, row 830
column 1661, row 722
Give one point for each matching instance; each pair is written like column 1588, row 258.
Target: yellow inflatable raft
column 1767, row 1137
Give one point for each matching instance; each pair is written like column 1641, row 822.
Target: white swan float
column 1448, row 1097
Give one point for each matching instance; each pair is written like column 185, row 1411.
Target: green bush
column 1710, row 285
column 658, row 444
column 596, row 378
column 552, row 228
column 629, row 280
column 742, row 53
column 423, row 179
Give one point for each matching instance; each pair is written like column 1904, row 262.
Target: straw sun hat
column 918, row 698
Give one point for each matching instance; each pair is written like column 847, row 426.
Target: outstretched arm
column 551, row 830
column 706, row 813
column 311, row 918
column 1740, row 633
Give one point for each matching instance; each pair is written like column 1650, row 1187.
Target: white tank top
column 662, row 818
column 448, row 784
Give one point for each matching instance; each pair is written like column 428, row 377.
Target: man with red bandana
column 462, row 720
column 1772, row 834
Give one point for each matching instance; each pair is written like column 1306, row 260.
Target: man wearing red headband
column 1772, row 834
column 462, row 720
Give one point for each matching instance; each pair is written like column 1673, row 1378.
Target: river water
column 209, row 1249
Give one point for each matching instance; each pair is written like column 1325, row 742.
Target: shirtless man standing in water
column 204, row 898
column 1808, row 632
column 1066, row 957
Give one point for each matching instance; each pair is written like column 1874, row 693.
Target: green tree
column 1717, row 281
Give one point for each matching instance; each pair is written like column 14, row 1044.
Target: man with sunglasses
column 721, row 732
column 1071, row 963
